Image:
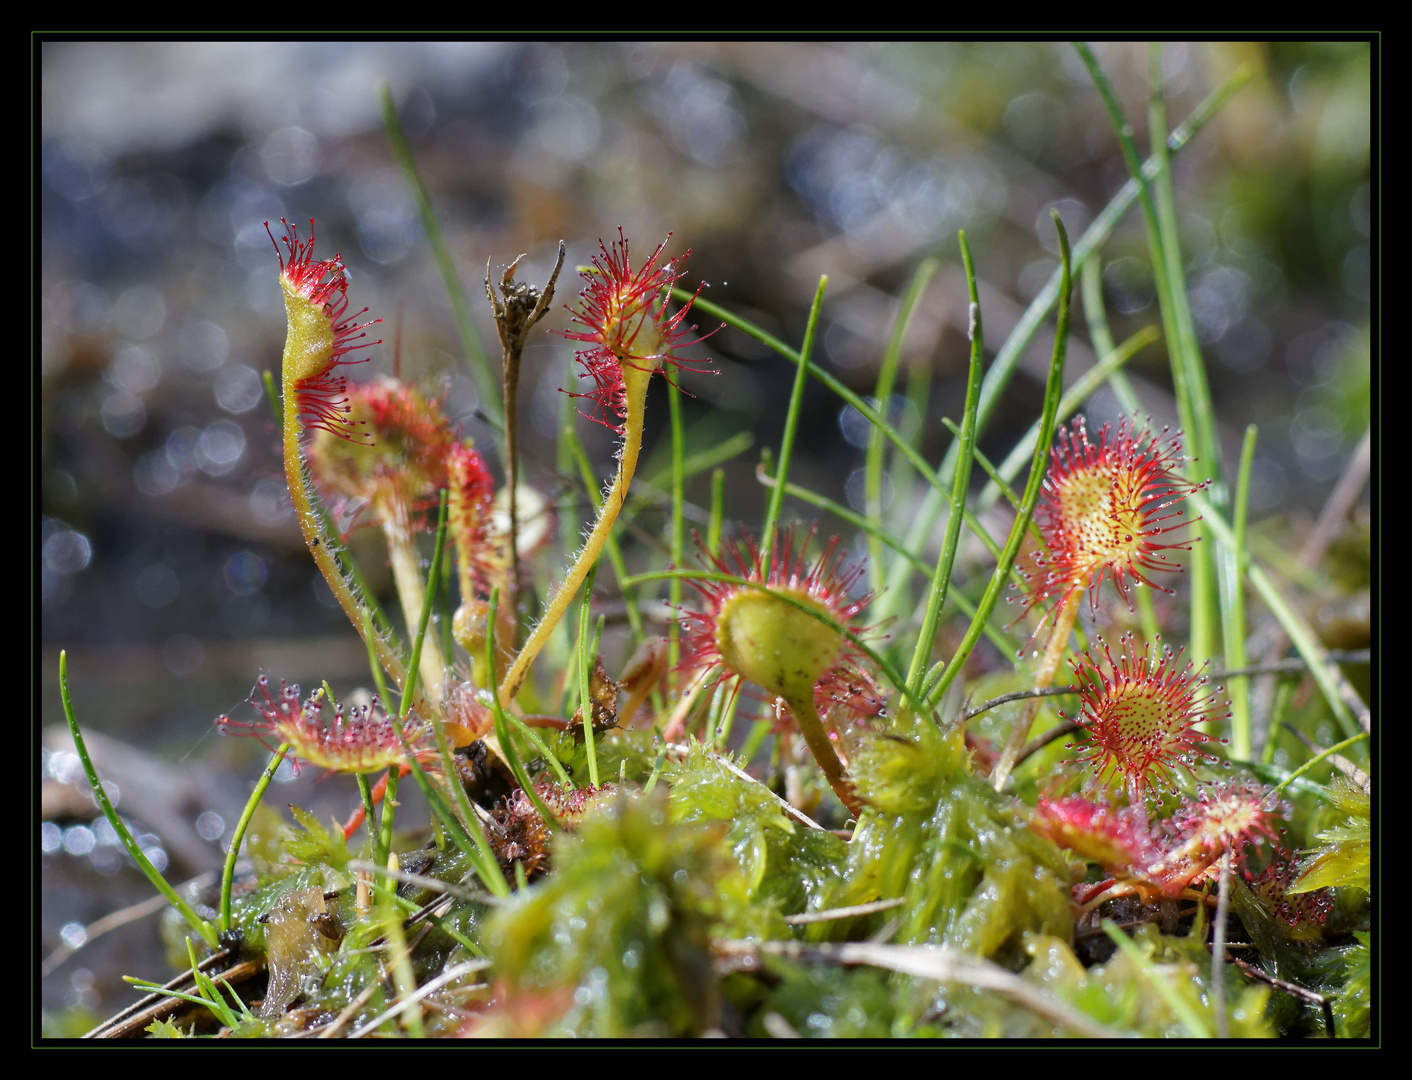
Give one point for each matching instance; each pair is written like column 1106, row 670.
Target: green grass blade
column 1100, row 334
column 383, row 845
column 882, row 394
column 678, row 525
column 699, row 462
column 238, row 836
column 481, row 855
column 556, row 766
column 1327, row 752
column 1193, row 392
column 872, row 415
column 465, row 832
column 1052, row 394
column 1233, row 563
column 428, row 602
column 1193, row 397
column 844, row 513
column 200, row 925
column 487, row 382
column 1091, row 380
column 1006, row 361
column 586, row 657
column 718, row 510
column 1185, row 1013
column 791, row 420
column 966, row 445
column 1325, row 674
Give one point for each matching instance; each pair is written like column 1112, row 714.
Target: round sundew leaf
column 775, row 645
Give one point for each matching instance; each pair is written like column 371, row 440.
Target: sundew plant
column 989, row 751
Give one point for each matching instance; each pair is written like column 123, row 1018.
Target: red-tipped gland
column 1179, row 854
column 1116, row 839
column 624, row 316
column 1303, row 914
column 363, row 741
column 483, row 553
column 1141, row 713
column 406, row 456
column 320, row 332
column 1227, row 816
column 1104, row 509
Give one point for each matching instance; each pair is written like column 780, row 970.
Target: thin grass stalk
column 713, row 714
column 241, row 826
column 383, row 847
column 1279, row 708
column 791, row 419
column 403, row 979
column 1159, row 981
column 1159, row 217
column 586, row 667
column 365, row 795
column 556, row 766
column 1233, row 564
column 1099, row 332
column 1322, row 755
column 487, row 385
column 696, row 463
column 569, row 523
column 1006, row 361
column 882, row 394
column 758, row 733
column 845, row 514
column 1111, row 364
column 1193, row 398
column 961, row 482
column 1193, row 392
column 678, row 524
column 718, row 507
column 197, row 923
column 413, row 593
column 1326, row 675
column 465, row 831
column 1052, row 393
column 872, row 415
column 918, row 393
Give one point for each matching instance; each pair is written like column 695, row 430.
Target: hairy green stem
column 320, row 544
column 635, row 381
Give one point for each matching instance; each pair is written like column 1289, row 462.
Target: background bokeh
column 169, row 564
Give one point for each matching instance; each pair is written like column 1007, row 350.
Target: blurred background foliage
column 169, row 562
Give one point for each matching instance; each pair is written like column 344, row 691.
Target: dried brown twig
column 515, row 316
